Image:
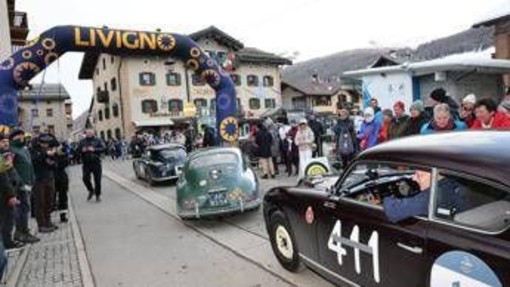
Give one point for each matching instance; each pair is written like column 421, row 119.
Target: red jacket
column 500, row 121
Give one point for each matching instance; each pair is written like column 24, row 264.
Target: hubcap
column 284, row 242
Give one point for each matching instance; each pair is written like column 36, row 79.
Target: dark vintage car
column 217, row 181
column 421, row 211
column 160, row 163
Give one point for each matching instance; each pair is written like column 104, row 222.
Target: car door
column 358, row 246
column 469, row 237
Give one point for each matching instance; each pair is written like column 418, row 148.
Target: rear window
column 214, row 159
column 178, row 153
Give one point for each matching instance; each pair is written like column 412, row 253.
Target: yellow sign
column 190, row 110
column 93, row 37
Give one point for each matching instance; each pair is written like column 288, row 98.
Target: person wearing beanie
column 467, row 111
column 440, row 96
column 504, row 107
column 399, row 126
column 417, row 119
column 385, row 126
column 369, row 130
column 25, row 169
column 488, row 116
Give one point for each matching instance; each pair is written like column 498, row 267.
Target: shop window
column 173, row 79
column 268, row 81
column 149, row 106
column 254, row 104
column 252, row 80
column 147, row 79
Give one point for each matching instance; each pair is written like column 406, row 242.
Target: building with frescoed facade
column 46, row 108
column 154, row 93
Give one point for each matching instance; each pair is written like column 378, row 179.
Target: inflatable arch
column 22, row 66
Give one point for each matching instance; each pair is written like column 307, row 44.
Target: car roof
column 165, row 146
column 482, row 153
column 214, row 150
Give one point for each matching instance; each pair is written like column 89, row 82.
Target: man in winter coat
column 61, row 180
column 43, row 159
column 318, row 132
column 488, row 116
column 399, row 126
column 91, row 149
column 7, row 200
column 346, row 143
column 25, row 169
column 263, row 142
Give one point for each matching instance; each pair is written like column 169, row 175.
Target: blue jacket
column 369, row 131
column 451, row 195
column 428, row 129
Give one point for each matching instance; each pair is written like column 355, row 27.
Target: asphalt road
column 135, row 242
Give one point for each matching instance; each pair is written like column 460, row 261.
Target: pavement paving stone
column 53, row 261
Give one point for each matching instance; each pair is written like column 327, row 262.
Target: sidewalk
column 59, row 259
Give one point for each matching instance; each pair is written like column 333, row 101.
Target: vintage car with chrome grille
column 419, row 211
column 160, row 163
column 217, row 181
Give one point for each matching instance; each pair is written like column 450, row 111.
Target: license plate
column 218, row 199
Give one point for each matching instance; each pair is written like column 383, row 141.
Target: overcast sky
column 313, row 28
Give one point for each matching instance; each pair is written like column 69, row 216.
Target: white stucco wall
column 5, row 36
column 390, row 88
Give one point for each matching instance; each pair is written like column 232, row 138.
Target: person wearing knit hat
column 418, row 118
column 467, row 112
column 417, row 106
column 504, row 107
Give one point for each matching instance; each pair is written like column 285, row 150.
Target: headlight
column 202, row 183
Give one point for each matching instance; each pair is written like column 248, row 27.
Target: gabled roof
column 218, row 35
column 254, row 55
column 45, row 92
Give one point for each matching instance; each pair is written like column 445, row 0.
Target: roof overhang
column 484, row 66
column 160, row 122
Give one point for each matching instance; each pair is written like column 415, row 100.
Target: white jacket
column 305, row 139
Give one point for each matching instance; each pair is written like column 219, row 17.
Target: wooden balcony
column 18, row 22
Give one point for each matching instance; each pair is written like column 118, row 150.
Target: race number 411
column 336, row 242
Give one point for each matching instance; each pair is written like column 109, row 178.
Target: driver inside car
column 451, row 197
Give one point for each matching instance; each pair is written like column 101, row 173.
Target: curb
column 83, row 262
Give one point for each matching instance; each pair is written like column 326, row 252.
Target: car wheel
column 283, row 242
column 150, row 180
column 137, row 174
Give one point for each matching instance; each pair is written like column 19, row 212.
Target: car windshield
column 214, row 159
column 177, row 153
column 363, row 173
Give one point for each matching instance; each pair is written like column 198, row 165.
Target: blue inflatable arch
column 25, row 64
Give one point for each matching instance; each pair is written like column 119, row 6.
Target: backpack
column 345, row 143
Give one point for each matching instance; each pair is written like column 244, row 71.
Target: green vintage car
column 216, row 181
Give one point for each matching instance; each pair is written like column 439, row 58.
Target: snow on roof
column 480, row 61
column 496, row 13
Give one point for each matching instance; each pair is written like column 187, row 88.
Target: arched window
column 254, row 104
column 149, row 106
column 118, row 134
column 102, row 135
column 109, row 134
column 268, row 81
column 107, row 113
column 100, row 115
column 252, row 80
column 175, row 107
column 115, row 110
